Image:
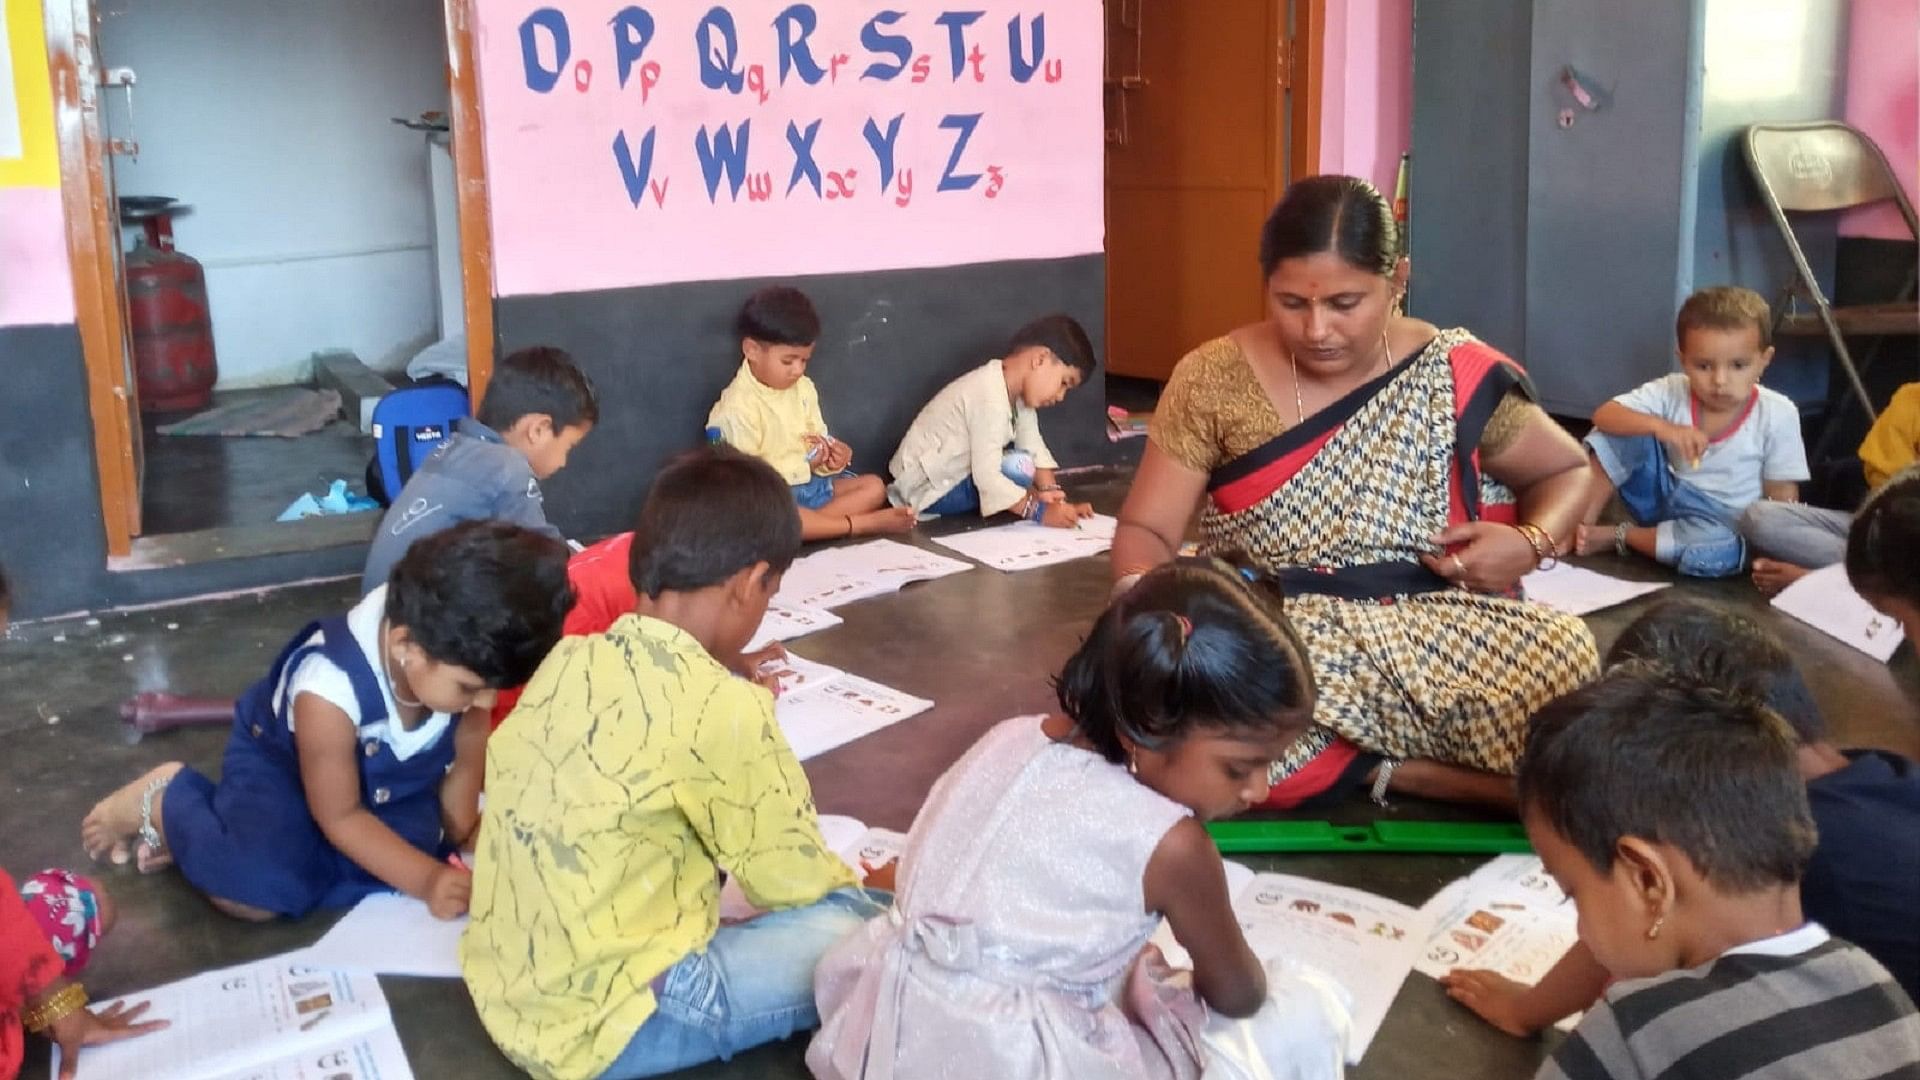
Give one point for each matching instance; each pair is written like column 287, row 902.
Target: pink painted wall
column 1366, row 117
column 1883, row 100
column 36, row 287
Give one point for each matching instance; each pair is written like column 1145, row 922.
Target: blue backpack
column 409, row 424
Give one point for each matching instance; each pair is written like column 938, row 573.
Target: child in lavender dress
column 1045, row 858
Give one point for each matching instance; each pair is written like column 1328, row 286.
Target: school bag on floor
column 409, row 424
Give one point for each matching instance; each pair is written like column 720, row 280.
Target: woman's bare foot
column 113, row 824
column 1772, row 575
column 893, row 519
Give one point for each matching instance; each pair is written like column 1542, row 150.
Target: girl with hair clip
column 1046, row 857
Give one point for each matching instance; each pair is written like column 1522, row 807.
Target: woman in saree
column 1400, row 480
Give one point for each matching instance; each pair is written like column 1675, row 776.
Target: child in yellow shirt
column 635, row 768
column 772, row 411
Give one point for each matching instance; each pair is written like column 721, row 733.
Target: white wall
column 310, row 208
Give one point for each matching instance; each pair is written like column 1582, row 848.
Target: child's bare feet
column 113, row 825
column 893, row 519
column 1772, row 575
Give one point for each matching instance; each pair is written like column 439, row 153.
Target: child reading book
column 635, row 768
column 1673, row 816
column 976, row 447
column 354, row 766
column 1688, row 452
column 1858, row 887
column 1880, row 551
column 1044, row 859
column 772, row 411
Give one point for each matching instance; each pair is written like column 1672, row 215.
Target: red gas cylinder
column 172, row 330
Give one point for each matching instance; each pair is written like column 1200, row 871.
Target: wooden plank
column 1305, row 91
column 470, row 186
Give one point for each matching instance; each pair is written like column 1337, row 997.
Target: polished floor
column 981, row 644
column 199, row 482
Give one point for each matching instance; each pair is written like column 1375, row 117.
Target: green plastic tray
column 1432, row 837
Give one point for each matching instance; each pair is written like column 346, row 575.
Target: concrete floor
column 980, row 644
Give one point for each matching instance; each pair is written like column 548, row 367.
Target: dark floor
column 981, row 644
column 197, row 482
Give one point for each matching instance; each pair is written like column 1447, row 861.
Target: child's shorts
column 1695, row 533
column 818, row 491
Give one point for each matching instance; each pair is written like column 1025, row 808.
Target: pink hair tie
column 1186, row 627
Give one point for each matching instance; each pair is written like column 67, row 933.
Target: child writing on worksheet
column 772, row 411
column 976, row 447
column 1857, row 886
column 1044, row 859
column 1688, row 452
column 354, row 766
column 636, row 768
column 1673, row 815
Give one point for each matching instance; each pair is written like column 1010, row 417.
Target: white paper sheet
column 827, row 579
column 1365, row 942
column 377, row 1056
column 826, row 708
column 1825, row 600
column 1025, row 545
column 1508, row 917
column 391, row 934
column 1579, row 591
column 784, row 623
column 254, row 1019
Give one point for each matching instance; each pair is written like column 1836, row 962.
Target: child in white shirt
column 976, row 447
column 1688, row 452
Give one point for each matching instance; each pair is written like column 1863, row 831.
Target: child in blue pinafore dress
column 354, row 766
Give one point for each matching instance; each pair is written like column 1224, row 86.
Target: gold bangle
column 61, row 1004
column 1545, row 551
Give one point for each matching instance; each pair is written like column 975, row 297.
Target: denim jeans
column 753, row 984
column 1695, row 532
column 964, row 497
column 1803, row 535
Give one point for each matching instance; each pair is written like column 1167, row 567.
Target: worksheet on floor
column 1026, row 544
column 1578, row 591
column 1826, row 601
column 391, row 934
column 865, row 849
column 835, row 576
column 825, row 707
column 784, row 622
column 1508, row 917
column 265, row 1018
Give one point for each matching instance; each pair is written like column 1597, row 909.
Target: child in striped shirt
column 1673, row 816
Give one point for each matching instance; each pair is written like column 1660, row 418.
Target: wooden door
column 1201, row 127
column 93, row 247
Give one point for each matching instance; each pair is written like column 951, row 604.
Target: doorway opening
column 276, row 214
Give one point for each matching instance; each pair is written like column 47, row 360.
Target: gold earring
column 1653, row 932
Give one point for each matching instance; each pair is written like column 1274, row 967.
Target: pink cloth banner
column 673, row 140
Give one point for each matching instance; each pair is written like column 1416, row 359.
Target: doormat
column 287, row 412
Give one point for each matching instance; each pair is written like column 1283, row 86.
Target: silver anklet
column 149, row 835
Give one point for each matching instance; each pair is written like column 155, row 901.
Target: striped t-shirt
column 1800, row 1005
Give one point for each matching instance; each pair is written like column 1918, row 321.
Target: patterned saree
column 1342, row 506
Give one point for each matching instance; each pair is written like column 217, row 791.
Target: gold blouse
column 1213, row 410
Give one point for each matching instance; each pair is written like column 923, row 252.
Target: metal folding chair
column 1823, row 167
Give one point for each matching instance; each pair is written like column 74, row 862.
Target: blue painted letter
column 964, row 123
column 635, row 175
column 541, row 78
column 1022, row 67
column 718, row 63
column 632, row 32
column 804, row 167
column 794, row 51
column 722, row 151
column 956, row 23
column 894, row 45
column 883, row 146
